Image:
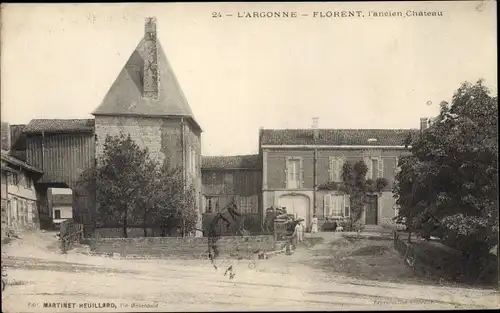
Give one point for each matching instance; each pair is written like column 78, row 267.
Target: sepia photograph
column 249, row 156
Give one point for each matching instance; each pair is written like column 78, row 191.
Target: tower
column 147, row 102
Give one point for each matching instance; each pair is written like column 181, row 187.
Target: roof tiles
column 349, row 137
column 59, row 125
column 232, row 162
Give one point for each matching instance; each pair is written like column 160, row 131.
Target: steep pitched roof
column 125, row 97
column 232, row 162
column 349, row 137
column 59, row 126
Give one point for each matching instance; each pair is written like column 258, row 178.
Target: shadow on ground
column 58, row 266
column 366, row 259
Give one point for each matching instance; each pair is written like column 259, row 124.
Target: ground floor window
column 248, row 205
column 336, row 205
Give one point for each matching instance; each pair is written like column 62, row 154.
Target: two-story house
column 296, row 162
column 19, row 198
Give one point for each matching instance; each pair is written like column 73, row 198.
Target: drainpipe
column 315, row 171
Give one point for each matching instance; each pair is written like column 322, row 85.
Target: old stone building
column 147, row 102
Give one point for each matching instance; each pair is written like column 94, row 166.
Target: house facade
column 297, row 162
column 60, row 202
column 19, row 197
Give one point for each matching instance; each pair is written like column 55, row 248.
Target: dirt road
column 336, row 275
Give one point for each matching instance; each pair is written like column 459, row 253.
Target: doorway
column 371, row 212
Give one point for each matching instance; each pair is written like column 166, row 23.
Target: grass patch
column 370, row 251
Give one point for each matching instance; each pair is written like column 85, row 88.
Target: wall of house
column 66, row 212
column 274, row 172
column 192, row 161
column 63, row 158
column 20, row 202
column 276, row 160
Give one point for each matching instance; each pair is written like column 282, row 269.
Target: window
column 209, row 205
column 29, row 182
column 246, row 205
column 13, row 179
column 31, row 206
column 375, row 168
column 336, row 166
column 293, row 171
column 336, row 205
column 57, row 214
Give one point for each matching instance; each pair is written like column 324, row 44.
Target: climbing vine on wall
column 355, row 184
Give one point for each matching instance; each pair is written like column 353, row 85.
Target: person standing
column 314, row 224
column 299, row 228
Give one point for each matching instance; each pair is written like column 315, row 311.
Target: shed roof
column 252, row 161
column 59, row 126
column 15, row 161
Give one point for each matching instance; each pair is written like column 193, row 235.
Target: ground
column 338, row 274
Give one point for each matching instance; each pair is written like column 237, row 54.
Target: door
column 297, row 205
column 371, row 212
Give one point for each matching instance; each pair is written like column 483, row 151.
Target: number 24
column 216, row 14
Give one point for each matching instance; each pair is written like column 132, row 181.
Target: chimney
column 150, row 81
column 424, row 123
column 315, row 127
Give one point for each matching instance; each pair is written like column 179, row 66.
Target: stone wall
column 179, row 247
column 161, row 136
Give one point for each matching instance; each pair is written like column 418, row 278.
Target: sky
column 59, row 60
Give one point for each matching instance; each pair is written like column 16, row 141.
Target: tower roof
column 127, row 94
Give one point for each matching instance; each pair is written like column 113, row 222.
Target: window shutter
column 380, row 168
column 347, row 205
column 203, row 204
column 301, row 177
column 287, row 165
column 398, row 168
column 327, row 204
column 331, row 168
column 369, row 165
column 340, row 167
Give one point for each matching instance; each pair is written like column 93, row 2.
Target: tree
column 131, row 187
column 451, row 176
column 123, row 175
column 173, row 204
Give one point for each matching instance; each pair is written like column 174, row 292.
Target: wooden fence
column 70, row 232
